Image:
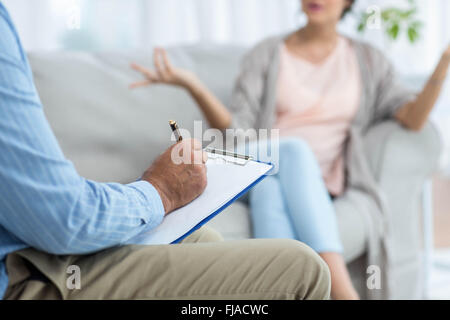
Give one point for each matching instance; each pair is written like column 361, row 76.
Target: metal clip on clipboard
column 228, row 156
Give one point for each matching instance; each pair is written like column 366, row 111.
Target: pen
column 175, row 130
column 214, row 152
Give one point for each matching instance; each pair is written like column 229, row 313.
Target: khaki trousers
column 203, row 266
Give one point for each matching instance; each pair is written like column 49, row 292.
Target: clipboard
column 230, row 176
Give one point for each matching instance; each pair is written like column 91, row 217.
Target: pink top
column 317, row 102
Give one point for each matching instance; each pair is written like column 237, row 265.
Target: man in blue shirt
column 51, row 219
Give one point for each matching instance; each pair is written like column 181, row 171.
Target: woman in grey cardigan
column 322, row 91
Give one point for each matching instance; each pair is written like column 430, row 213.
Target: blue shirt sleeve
column 43, row 200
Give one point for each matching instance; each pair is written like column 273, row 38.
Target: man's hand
column 179, row 184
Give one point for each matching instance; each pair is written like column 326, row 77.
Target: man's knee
column 314, row 281
column 204, row 234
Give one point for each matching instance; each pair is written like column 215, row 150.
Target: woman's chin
column 319, row 19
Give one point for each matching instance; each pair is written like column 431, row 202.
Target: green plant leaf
column 362, row 27
column 413, row 35
column 393, row 31
column 363, row 22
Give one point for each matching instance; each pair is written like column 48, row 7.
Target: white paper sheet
column 225, row 181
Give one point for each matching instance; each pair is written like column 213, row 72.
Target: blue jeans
column 295, row 203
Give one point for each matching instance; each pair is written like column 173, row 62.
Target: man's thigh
column 204, row 234
column 35, row 274
column 250, row 269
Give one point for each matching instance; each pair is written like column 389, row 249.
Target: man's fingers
column 193, row 147
column 199, row 157
column 192, row 143
column 196, row 144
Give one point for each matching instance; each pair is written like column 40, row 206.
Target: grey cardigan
column 253, row 106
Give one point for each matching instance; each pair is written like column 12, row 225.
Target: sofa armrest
column 393, row 151
column 401, row 161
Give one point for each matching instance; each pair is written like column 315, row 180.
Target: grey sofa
column 113, row 134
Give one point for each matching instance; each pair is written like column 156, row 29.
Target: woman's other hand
column 415, row 114
column 164, row 72
column 447, row 52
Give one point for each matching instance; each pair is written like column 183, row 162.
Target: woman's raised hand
column 164, row 72
column 447, row 52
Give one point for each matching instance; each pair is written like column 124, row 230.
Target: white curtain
column 137, row 24
column 217, row 21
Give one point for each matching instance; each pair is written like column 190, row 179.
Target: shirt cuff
column 152, row 198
